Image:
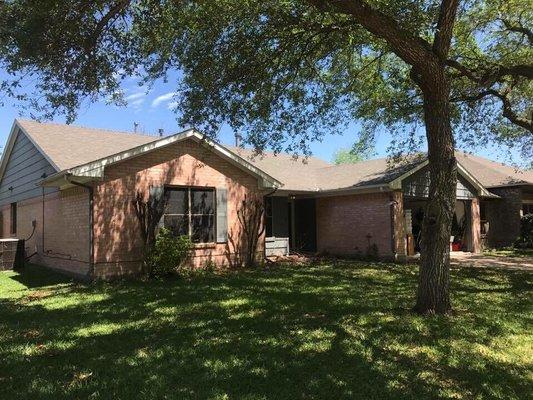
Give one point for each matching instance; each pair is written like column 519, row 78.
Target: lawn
column 510, row 252
column 332, row 331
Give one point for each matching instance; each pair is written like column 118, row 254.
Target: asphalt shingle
column 69, row 146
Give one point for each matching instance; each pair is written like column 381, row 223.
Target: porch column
column 475, row 226
column 398, row 225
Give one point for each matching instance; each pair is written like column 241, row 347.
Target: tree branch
column 487, row 77
column 112, row 13
column 414, row 50
column 519, row 29
column 444, row 32
column 507, row 110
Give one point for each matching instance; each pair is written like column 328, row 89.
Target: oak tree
column 287, row 72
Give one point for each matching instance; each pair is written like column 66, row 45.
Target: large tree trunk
column 433, row 295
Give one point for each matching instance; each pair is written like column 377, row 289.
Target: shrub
column 525, row 240
column 168, row 254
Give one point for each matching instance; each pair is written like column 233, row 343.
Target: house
column 69, row 192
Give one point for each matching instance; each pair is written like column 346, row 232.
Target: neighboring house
column 69, row 192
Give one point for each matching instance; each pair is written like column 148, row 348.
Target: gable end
column 23, row 166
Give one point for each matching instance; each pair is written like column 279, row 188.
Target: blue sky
column 152, row 110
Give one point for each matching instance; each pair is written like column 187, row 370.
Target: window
column 527, row 208
column 191, row 212
column 13, row 218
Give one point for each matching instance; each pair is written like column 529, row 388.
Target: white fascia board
column 379, row 188
column 9, row 148
column 95, row 169
column 17, row 129
column 482, row 191
column 265, row 180
column 53, row 164
column 397, row 183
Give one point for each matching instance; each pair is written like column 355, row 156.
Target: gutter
column 378, row 188
column 90, row 190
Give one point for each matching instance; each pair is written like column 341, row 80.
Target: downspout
column 90, row 190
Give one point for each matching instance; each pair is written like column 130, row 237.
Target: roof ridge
column 413, row 158
column 494, row 165
column 273, row 154
column 117, row 132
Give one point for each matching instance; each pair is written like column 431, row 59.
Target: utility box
column 11, row 254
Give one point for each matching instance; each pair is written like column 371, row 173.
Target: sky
column 152, row 110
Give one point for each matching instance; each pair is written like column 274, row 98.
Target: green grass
column 338, row 331
column 510, row 252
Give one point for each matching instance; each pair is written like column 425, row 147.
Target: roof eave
column 9, row 147
column 95, row 169
column 396, row 184
column 482, row 191
column 15, row 129
column 334, row 192
column 510, row 185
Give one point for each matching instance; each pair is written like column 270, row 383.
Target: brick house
column 69, row 191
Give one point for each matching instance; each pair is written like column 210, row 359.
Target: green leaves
column 282, row 72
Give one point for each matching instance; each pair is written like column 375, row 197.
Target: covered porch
column 466, row 223
column 290, row 225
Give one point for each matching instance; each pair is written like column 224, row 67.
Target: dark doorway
column 305, row 225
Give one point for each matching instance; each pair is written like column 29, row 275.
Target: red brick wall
column 117, row 238
column 66, row 229
column 503, row 215
column 343, row 223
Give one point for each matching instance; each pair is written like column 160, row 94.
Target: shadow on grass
column 318, row 332
column 34, row 277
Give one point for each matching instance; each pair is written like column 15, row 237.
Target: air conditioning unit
column 11, row 254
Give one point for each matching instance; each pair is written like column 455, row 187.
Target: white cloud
column 137, row 103
column 135, row 96
column 172, row 105
column 161, row 99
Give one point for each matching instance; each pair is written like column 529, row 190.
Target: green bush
column 169, row 253
column 525, row 240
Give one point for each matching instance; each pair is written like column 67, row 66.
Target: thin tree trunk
column 433, row 295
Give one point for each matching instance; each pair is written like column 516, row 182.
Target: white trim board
column 95, row 169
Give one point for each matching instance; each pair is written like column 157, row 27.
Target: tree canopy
column 361, row 150
column 283, row 72
column 287, row 72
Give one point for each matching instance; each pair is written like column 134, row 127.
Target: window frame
column 13, row 218
column 190, row 214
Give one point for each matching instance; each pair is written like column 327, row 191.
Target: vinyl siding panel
column 25, row 167
column 417, row 185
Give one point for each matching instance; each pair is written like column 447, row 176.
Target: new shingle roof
column 68, row 146
column 314, row 174
column 492, row 174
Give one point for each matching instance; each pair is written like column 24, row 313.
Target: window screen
column 191, row 211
